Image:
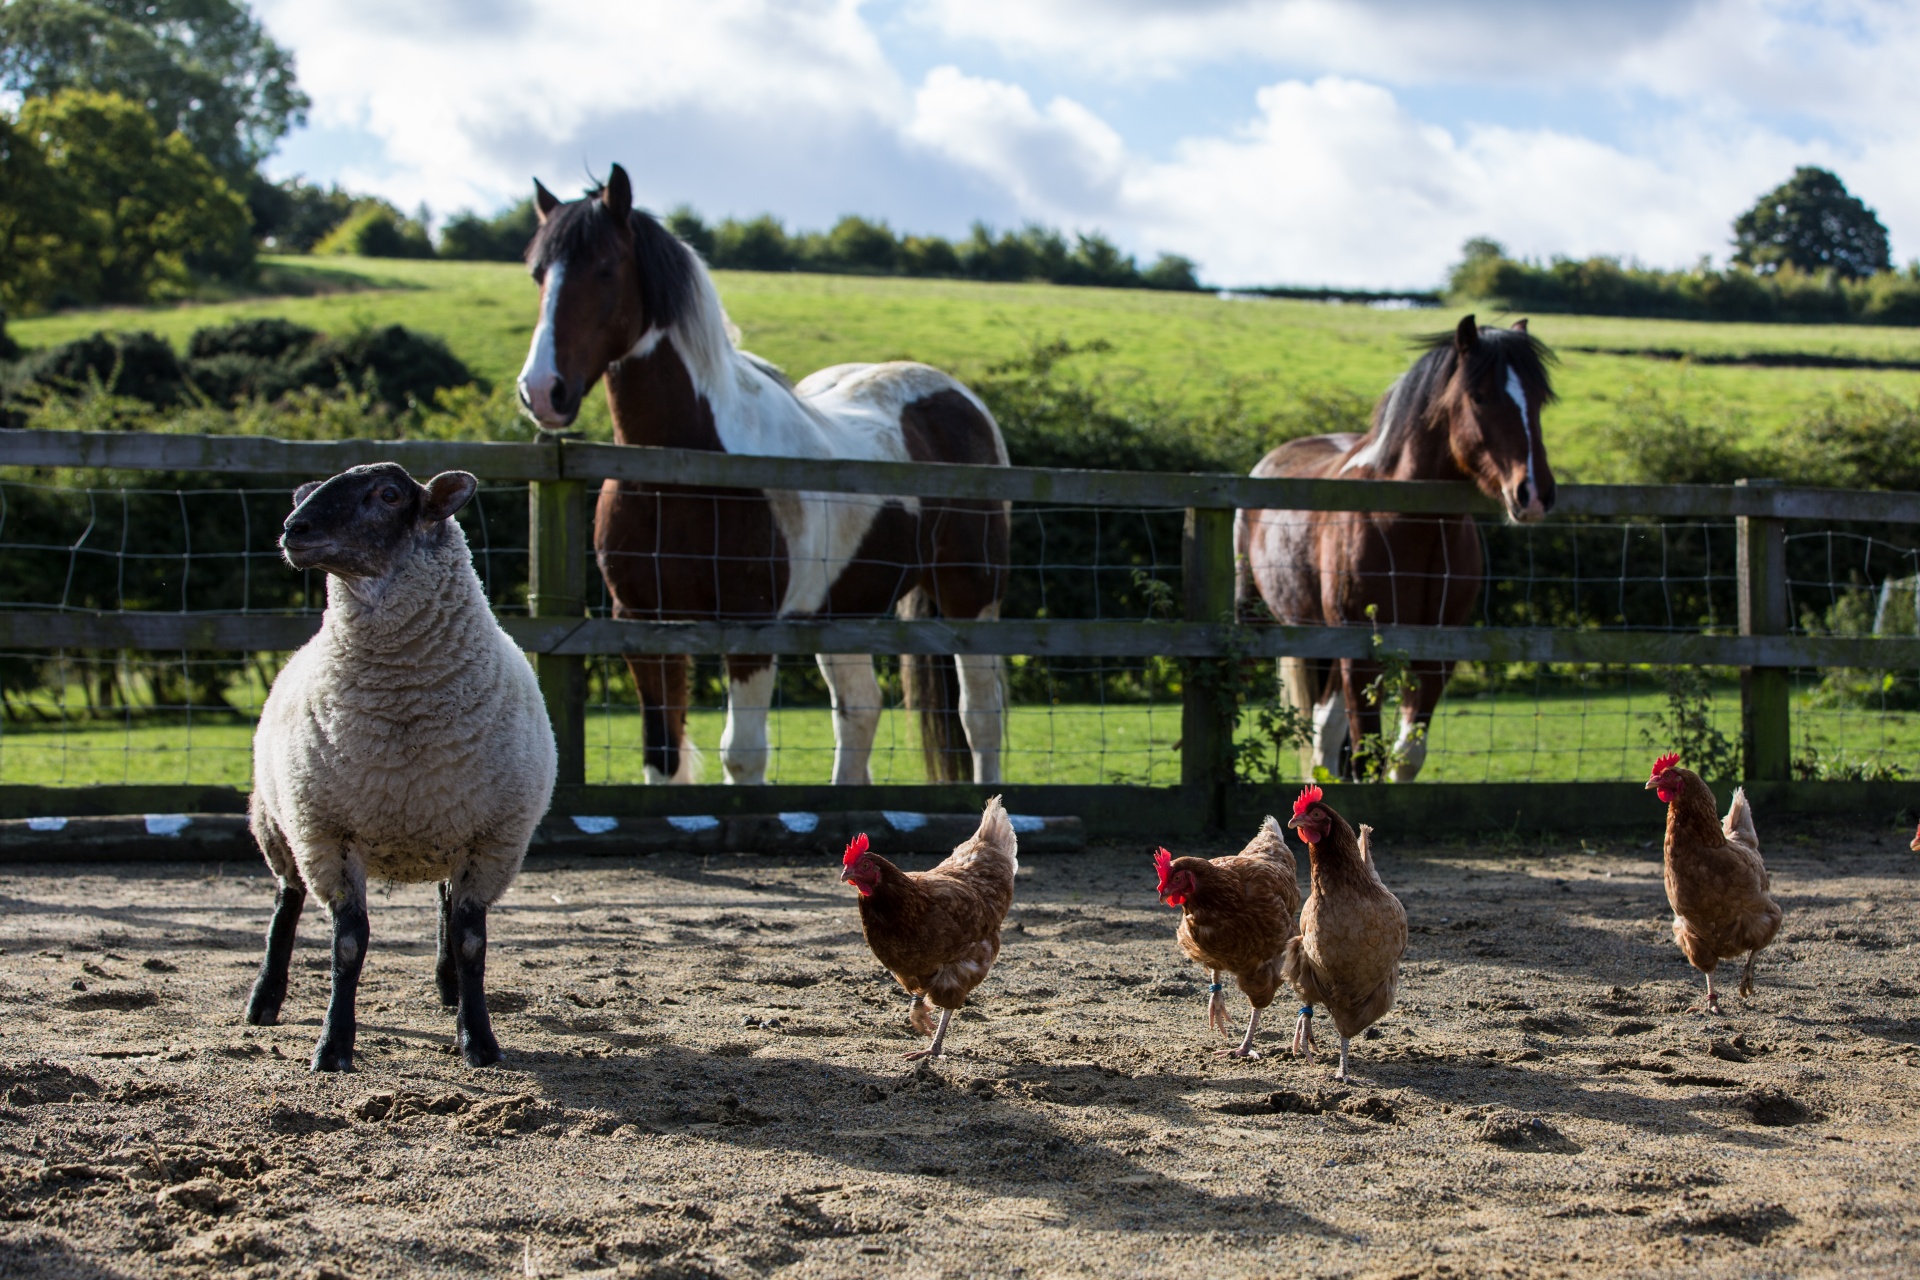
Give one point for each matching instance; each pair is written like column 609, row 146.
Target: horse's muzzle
column 1527, row 504
column 550, row 402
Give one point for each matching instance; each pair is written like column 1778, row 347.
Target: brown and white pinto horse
column 1468, row 409
column 621, row 297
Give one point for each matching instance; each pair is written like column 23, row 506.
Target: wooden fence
column 561, row 474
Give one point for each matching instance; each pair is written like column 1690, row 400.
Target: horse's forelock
column 584, row 228
column 1497, row 351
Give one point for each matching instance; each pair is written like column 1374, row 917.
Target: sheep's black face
column 364, row 522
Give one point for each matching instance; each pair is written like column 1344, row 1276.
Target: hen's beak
column 1652, row 783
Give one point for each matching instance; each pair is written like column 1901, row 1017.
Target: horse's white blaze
column 1518, row 394
column 856, row 714
column 743, row 742
column 542, row 366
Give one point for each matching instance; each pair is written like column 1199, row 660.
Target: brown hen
column 938, row 931
column 1716, row 883
column 1353, row 932
column 1237, row 915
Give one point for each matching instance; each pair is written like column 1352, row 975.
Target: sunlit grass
column 1182, row 353
column 1514, row 736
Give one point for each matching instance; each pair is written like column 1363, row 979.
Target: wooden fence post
column 557, row 588
column 1766, row 732
column 1207, row 709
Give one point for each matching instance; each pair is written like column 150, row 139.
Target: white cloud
column 743, row 106
column 465, row 101
column 1063, row 162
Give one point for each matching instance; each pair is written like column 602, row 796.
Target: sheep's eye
column 390, row 495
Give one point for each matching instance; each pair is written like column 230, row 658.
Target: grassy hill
column 1184, row 353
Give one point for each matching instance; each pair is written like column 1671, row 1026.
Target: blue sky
column 1296, row 141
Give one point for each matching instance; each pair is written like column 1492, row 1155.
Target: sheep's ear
column 447, row 493
column 305, row 491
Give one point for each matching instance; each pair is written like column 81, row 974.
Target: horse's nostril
column 557, row 395
column 1523, row 495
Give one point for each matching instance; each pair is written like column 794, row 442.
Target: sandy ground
column 703, row 1080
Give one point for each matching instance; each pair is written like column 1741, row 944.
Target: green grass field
column 1180, row 351
column 1511, row 737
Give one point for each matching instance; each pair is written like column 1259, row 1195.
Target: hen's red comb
column 1163, row 863
column 1308, row 796
column 856, row 849
column 1664, row 763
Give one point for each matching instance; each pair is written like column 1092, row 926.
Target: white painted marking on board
column 1026, row 824
column 801, row 823
column 595, row 826
column 46, row 824
column 167, row 824
column 695, row 822
column 900, row 820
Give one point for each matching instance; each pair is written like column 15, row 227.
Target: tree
column 293, row 215
column 1811, row 222
column 501, row 238
column 204, row 68
column 375, row 229
column 99, row 207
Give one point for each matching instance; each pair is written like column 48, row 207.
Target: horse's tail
column 932, row 685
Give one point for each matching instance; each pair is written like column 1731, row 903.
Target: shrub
column 139, row 366
column 375, row 229
column 501, row 238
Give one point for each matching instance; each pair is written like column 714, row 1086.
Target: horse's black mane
column 585, row 228
column 1498, row 350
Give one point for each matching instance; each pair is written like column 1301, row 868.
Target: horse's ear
column 1466, row 336
column 617, row 195
column 544, row 201
column 1520, row 326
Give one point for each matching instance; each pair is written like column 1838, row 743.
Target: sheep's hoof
column 326, row 1058
column 262, row 1014
column 449, row 983
column 481, row 1054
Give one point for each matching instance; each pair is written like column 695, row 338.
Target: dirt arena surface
column 703, row 1080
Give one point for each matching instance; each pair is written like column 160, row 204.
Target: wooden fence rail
column 561, row 474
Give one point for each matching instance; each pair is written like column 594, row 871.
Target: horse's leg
column 856, row 714
column 1416, row 717
column 661, row 681
column 1330, row 723
column 983, row 706
column 743, row 743
column 1363, row 720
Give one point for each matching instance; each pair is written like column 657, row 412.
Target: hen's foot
column 1217, row 1015
column 1303, row 1035
column 1239, row 1051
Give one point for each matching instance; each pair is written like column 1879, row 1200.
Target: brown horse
column 1468, row 409
column 621, row 297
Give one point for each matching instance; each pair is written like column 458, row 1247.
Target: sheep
column 407, row 740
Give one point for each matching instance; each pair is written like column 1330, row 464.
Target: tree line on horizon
column 1807, row 252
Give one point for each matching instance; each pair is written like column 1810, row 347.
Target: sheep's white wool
column 407, row 740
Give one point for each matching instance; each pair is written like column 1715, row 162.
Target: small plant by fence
column 1781, row 585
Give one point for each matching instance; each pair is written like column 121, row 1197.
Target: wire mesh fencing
column 208, row 546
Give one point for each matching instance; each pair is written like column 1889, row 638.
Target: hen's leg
column 1713, row 997
column 917, row 1015
column 939, row 1037
column 1217, row 1006
column 1303, row 1033
column 1341, row 1075
column 1746, row 976
column 1246, row 1049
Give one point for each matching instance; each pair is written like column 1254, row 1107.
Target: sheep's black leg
column 270, row 988
column 445, row 972
column 335, row 1050
column 469, row 930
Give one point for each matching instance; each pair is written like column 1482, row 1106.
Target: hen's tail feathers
column 1366, row 844
column 1739, row 823
column 1270, row 841
column 996, row 831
